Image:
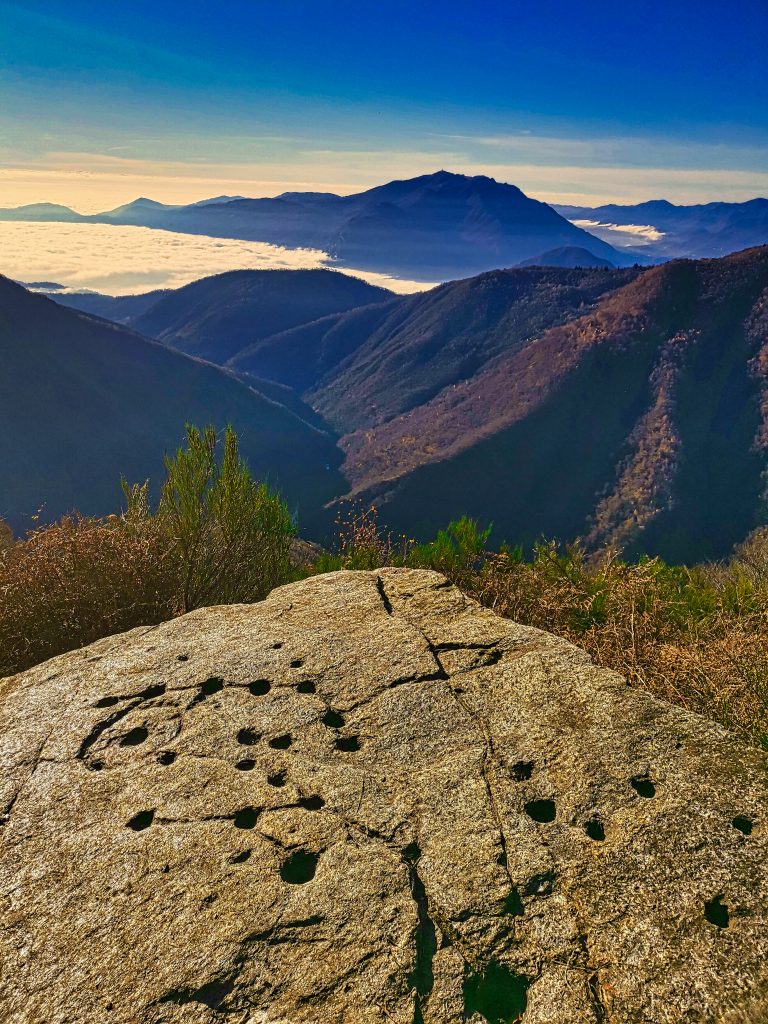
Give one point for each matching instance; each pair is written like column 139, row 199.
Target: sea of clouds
column 121, row 260
column 622, row 235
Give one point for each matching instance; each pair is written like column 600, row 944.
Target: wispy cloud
column 619, row 151
column 622, row 234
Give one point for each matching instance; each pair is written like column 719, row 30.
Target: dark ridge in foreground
column 83, row 401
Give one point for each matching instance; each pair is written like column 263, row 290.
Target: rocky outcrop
column 366, row 800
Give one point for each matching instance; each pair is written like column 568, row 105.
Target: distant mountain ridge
column 704, row 230
column 443, row 225
column 622, row 406
column 432, row 227
column 217, row 317
column 120, row 309
column 567, row 256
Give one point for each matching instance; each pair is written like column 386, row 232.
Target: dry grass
column 80, row 579
column 696, row 637
column 218, row 536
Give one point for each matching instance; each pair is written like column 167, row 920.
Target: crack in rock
column 437, row 865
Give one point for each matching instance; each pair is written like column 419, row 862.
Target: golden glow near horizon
column 122, row 260
column 92, row 183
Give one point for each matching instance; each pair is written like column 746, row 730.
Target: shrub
column 6, row 540
column 68, row 584
column 458, row 551
column 229, row 534
column 362, row 544
column 217, row 536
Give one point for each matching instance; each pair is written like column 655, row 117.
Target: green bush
column 228, row 533
column 217, row 536
column 362, row 544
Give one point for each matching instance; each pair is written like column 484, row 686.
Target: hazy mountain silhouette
column 567, row 256
column 434, row 226
column 218, row 316
column 41, row 212
column 711, row 229
column 441, row 225
column 120, row 309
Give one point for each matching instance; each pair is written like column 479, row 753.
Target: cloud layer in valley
column 124, row 260
column 622, row 235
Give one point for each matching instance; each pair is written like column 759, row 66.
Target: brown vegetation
column 76, row 581
column 216, row 537
column 695, row 636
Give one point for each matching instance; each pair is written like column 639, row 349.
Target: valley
column 383, row 512
column 640, row 391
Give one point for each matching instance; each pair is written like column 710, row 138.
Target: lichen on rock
column 366, row 800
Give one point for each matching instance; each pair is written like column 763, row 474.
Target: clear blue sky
column 622, row 100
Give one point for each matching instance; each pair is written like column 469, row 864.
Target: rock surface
column 367, row 800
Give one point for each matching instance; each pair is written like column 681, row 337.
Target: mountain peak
column 141, row 204
column 443, row 177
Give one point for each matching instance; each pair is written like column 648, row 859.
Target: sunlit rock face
column 367, row 799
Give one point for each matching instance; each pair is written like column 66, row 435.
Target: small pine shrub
column 217, row 536
column 457, row 551
column 228, row 533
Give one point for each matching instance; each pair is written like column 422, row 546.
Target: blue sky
column 572, row 101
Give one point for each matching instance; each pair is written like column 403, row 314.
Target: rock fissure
column 267, row 933
column 466, row 647
column 541, row 883
column 383, row 595
column 211, row 994
column 102, row 726
column 427, row 677
column 422, row 978
column 33, row 763
column 322, row 907
column 486, row 757
column 592, row 979
column 5, row 814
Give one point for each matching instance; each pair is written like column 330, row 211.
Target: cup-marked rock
column 368, row 800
